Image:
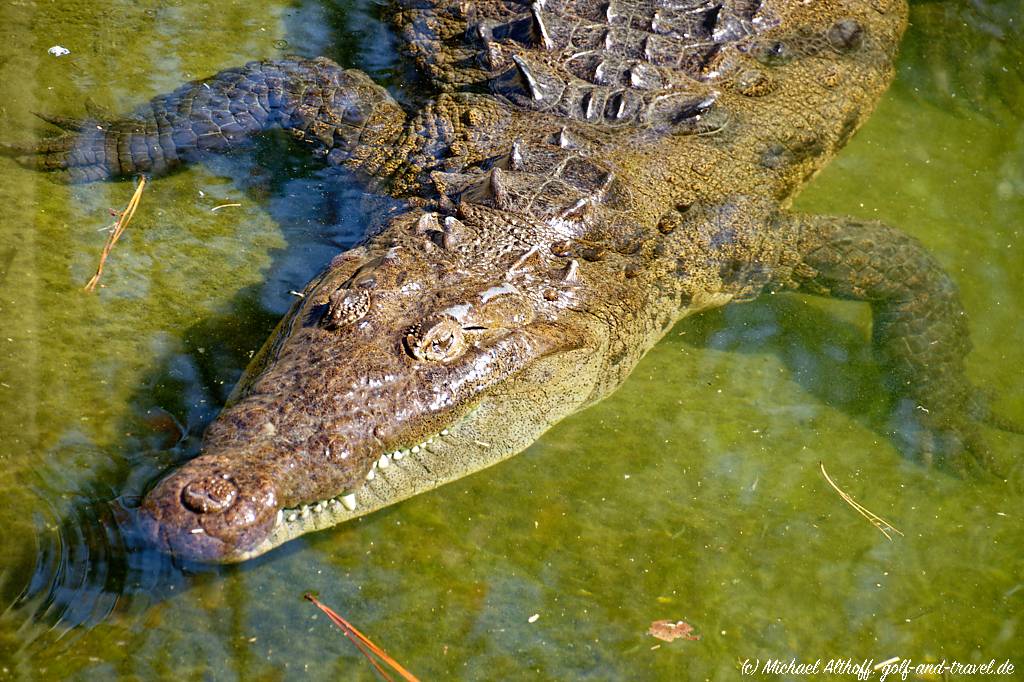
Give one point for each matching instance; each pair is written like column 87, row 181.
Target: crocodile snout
column 209, row 512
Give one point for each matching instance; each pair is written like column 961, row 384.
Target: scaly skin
column 585, row 175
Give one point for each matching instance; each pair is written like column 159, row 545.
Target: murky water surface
column 693, row 493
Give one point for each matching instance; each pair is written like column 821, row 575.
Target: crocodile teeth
column 415, row 449
column 280, row 516
column 570, row 273
column 304, row 512
column 293, row 516
column 372, row 474
column 445, row 432
column 384, row 462
column 319, row 507
column 349, row 501
column 398, row 455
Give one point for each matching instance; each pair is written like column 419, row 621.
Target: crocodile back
column 617, row 63
column 638, row 80
column 613, row 62
column 644, row 105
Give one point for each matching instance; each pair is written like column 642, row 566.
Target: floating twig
column 217, row 208
column 116, row 230
column 877, row 521
column 363, row 643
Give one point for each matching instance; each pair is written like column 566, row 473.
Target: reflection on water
column 692, row 494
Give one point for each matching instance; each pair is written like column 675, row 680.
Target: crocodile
column 579, row 176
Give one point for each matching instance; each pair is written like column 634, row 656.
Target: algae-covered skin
column 584, row 176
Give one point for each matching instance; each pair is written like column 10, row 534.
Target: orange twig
column 117, row 229
column 362, row 642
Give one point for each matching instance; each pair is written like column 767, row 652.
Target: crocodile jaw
column 395, row 476
column 503, row 424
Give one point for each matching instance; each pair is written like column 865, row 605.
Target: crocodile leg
column 919, row 329
column 316, row 100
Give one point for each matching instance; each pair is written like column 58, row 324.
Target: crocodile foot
column 952, row 439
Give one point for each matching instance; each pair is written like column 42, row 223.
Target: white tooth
column 280, row 517
column 334, row 502
column 445, row 432
column 319, row 507
column 372, row 475
column 304, row 512
column 384, row 462
column 415, row 449
column 430, row 440
column 292, row 516
column 349, row 501
column 398, row 455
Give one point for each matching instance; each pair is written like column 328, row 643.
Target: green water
column 693, row 493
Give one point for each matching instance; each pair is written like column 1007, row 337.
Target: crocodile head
column 411, row 361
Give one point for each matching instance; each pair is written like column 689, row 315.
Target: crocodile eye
column 440, row 340
column 772, row 53
column 345, row 306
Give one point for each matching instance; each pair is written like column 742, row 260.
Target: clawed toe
column 72, row 125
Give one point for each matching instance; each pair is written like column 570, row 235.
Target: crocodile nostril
column 209, row 494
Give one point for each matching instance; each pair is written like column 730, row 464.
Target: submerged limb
column 920, row 332
column 316, row 100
